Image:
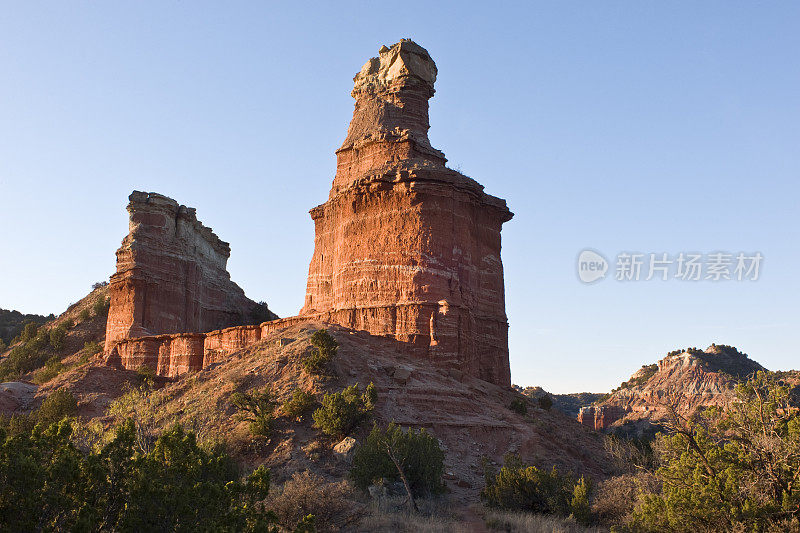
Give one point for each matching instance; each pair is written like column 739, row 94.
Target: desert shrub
column 257, row 407
column 342, row 411
column 545, row 402
column 57, row 336
column 300, row 403
column 52, row 368
column 414, row 457
column 519, row 487
column 29, row 331
column 92, row 348
column 69, row 323
column 731, row 470
column 24, row 358
column 99, row 285
column 323, row 350
column 59, row 405
column 50, row 485
column 145, row 376
column 616, row 497
column 519, row 405
column 84, row 315
column 309, row 494
column 100, row 306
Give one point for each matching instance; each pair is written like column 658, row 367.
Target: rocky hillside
column 470, row 417
column 686, row 379
column 569, row 404
column 41, row 353
column 12, row 322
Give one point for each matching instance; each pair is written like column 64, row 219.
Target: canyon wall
column 406, row 247
column 171, row 276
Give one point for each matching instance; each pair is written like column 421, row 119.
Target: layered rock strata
column 406, row 247
column 181, row 353
column 171, row 276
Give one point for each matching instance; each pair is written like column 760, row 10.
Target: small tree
column 545, row 402
column 342, row 411
column 84, row 315
column 92, row 348
column 57, row 336
column 29, row 331
column 299, row 404
column 519, row 406
column 414, row 457
column 257, row 407
column 737, row 469
column 59, row 405
column 520, row 487
column 323, row 350
column 101, row 306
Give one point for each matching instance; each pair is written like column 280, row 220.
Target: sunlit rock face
column 404, row 246
column 171, row 275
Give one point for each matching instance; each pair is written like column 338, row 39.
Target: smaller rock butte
column 170, row 279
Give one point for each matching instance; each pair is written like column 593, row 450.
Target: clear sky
column 618, row 126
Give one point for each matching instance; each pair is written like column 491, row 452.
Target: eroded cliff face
column 686, row 380
column 171, row 276
column 406, row 247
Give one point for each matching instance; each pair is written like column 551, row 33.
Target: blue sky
column 618, row 126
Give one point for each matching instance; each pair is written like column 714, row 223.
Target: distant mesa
column 404, row 248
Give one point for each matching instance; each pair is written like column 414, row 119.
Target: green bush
column 519, row 487
column 545, row 402
column 24, row 358
column 59, row 405
column 342, row 411
column 323, row 350
column 393, row 453
column 50, row 485
column 58, row 336
column 52, row 367
column 729, row 470
column 92, row 348
column 299, row 404
column 519, row 405
column 100, row 306
column 145, row 376
column 257, row 407
column 84, row 315
column 29, row 331
column 69, row 323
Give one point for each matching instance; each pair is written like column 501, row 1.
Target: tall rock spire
column 404, row 246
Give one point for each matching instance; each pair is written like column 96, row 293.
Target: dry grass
column 616, row 497
column 533, row 523
column 392, row 514
column 331, row 504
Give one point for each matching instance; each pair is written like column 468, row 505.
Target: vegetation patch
column 413, row 457
column 323, row 350
column 342, row 411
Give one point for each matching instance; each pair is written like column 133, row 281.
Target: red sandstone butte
column 406, row 247
column 171, row 276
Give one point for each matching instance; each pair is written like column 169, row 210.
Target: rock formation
column 686, row 379
column 406, row 247
column 171, row 276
